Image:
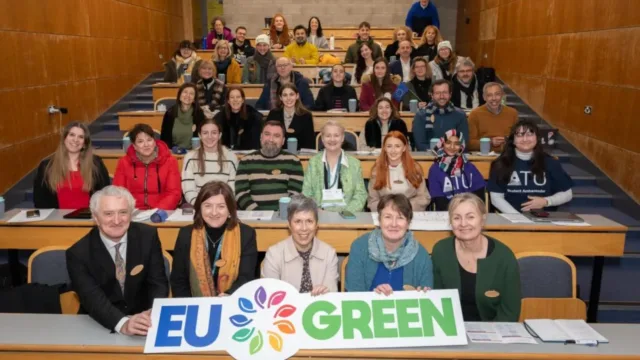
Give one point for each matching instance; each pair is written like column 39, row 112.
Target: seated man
column 402, row 66
column 117, row 269
column 242, row 48
column 364, row 31
column 491, row 120
column 467, row 88
column 266, row 175
column 269, row 99
column 301, row 52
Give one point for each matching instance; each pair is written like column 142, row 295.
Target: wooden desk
column 483, row 163
column 340, row 42
column 351, row 32
column 351, row 121
column 339, row 53
column 83, row 338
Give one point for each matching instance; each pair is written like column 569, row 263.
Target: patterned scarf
column 469, row 90
column 397, row 259
column 305, row 283
column 200, row 274
column 451, row 164
column 433, row 108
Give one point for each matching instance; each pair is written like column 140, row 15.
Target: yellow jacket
column 234, row 73
column 307, row 51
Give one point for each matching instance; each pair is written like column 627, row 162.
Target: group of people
column 118, row 268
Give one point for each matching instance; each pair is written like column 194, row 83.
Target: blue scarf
column 397, row 259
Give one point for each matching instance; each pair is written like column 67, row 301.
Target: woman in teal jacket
column 333, row 178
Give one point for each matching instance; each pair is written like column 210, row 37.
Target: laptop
column 84, row 213
column 552, row 216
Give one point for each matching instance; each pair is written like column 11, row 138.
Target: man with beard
column 301, row 52
column 467, row 88
column 242, row 48
column 266, row 175
column 491, row 120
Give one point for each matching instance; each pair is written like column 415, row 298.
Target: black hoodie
column 246, row 49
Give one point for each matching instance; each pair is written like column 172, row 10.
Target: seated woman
column 400, row 33
column 395, row 172
column 524, row 177
column 389, row 258
column 181, row 63
column 383, row 118
column 217, row 254
column 262, row 65
column 451, row 172
column 241, row 123
column 149, row 171
column 212, row 161
column 316, row 37
column 211, row 91
column 296, row 118
column 444, row 65
column 364, row 64
column 483, row 269
column 428, row 47
column 419, row 86
column 279, row 32
column 336, row 94
column 226, row 64
column 218, row 32
column 333, row 178
column 181, row 120
column 72, row 174
column 303, row 260
column 382, row 83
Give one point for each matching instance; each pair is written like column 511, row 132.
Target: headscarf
column 451, row 164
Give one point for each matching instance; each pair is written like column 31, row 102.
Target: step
column 590, row 195
column 141, row 104
column 144, row 96
column 579, row 176
column 107, row 139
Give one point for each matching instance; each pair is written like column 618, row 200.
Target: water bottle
column 332, row 42
column 159, row 216
column 2, row 207
column 204, row 43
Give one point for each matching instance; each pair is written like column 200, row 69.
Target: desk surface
column 83, row 335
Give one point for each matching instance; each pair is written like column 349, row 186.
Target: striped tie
column 121, row 273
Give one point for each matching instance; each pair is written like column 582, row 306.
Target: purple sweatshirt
column 441, row 185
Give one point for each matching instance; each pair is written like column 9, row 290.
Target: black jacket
column 246, row 49
column 324, row 100
column 93, row 275
column 427, row 51
column 243, row 134
column 373, row 133
column 392, row 49
column 456, row 98
column 180, row 283
column 301, row 128
column 44, row 198
column 169, row 118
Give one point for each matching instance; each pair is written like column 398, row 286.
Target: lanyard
column 214, row 268
column 328, row 171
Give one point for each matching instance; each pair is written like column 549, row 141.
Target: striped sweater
column 193, row 179
column 262, row 181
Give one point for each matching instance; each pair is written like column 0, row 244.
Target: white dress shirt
column 111, row 248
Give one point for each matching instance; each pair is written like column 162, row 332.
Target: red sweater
column 155, row 185
column 368, row 97
column 70, row 193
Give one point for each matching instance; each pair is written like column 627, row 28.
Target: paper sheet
column 517, row 218
column 499, row 333
column 570, row 223
column 21, row 217
column 424, row 220
column 178, row 215
column 256, row 215
column 143, row 215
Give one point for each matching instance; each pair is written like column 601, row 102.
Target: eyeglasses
column 282, row 66
column 527, row 133
column 441, row 93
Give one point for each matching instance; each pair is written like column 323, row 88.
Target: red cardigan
column 368, row 96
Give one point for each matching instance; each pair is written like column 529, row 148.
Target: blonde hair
column 438, row 38
column 58, row 169
column 219, row 44
column 406, row 30
column 332, row 123
column 464, row 198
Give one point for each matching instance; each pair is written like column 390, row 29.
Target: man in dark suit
column 117, row 269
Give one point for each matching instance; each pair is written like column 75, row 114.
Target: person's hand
column 301, row 61
column 223, row 294
column 138, row 324
column 534, row 203
column 319, row 290
column 214, row 41
column 423, row 289
column 383, row 289
column 497, row 141
column 422, row 105
column 277, row 46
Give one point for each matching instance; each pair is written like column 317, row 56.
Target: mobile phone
column 347, row 215
column 33, row 214
column 540, row 214
column 187, row 211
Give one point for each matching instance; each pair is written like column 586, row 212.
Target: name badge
column 332, row 197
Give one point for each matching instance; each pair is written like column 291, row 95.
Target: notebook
column 552, row 216
column 84, row 213
column 563, row 330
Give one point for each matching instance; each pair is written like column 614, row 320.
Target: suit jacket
column 93, row 275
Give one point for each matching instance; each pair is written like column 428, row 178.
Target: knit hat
column 445, row 44
column 262, row 39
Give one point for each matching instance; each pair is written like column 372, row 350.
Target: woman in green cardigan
column 483, row 269
column 333, row 178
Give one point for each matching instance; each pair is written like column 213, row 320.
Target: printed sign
column 269, row 319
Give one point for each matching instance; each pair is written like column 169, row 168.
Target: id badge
column 332, row 197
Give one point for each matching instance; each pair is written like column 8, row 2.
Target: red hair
column 284, row 36
column 412, row 170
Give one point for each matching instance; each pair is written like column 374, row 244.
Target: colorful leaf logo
column 260, row 297
column 285, row 311
column 243, row 335
column 240, row 320
column 276, row 298
column 246, row 305
column 275, row 341
column 285, row 326
column 256, row 344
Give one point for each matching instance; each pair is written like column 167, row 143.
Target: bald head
column 284, row 67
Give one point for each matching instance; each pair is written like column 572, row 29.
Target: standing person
column 452, row 173
column 438, row 117
column 364, row 31
column 210, row 90
column 241, row 46
column 483, row 270
column 262, row 65
column 400, row 34
column 279, row 32
column 491, row 120
column 149, row 171
column 226, row 64
column 217, row 254
column 315, row 34
column 336, row 94
column 364, row 64
column 212, row 161
column 301, row 51
column 383, row 118
column 266, row 175
column 524, row 177
column 444, row 65
column 269, row 97
column 395, row 172
column 420, row 84
column 181, row 63
column 381, row 84
column 402, row 66
column 219, row 31
column 180, row 122
column 467, row 87
column 428, row 47
column 117, row 269
column 72, row 174
column 297, row 120
column 421, row 14
column 241, row 123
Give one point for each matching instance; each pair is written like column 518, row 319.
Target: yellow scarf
column 200, row 275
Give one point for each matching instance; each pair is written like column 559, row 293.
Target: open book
column 577, row 331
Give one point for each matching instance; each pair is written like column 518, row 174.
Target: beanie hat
column 445, row 44
column 263, row 39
